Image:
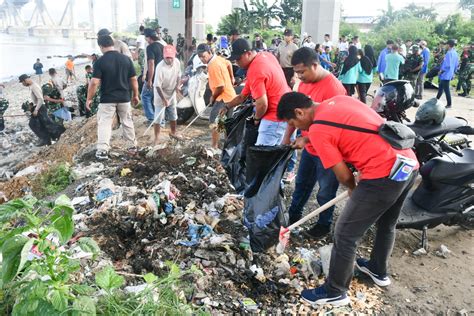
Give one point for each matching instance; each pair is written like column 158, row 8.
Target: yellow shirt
column 219, row 76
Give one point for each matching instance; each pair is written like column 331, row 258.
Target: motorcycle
column 445, row 194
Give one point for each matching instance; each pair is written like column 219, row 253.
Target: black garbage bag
column 264, row 211
column 233, row 153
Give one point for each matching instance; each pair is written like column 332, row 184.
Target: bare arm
column 217, row 92
column 134, row 85
column 150, row 72
column 289, row 131
column 261, row 106
column 49, row 99
column 91, row 90
column 237, row 100
column 344, row 175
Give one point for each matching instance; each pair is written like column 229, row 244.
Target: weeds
column 39, row 270
column 53, row 180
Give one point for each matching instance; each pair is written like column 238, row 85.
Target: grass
column 52, row 181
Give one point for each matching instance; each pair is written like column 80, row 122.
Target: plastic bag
column 264, row 211
column 234, row 151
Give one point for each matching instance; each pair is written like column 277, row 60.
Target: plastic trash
column 196, row 233
column 325, row 254
column 233, row 153
column 264, row 211
column 104, row 194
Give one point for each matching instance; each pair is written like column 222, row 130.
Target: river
column 19, row 53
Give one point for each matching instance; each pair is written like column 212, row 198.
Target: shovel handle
column 154, row 120
column 194, row 120
column 324, row 207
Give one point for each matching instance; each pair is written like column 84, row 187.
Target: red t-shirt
column 369, row 153
column 319, row 91
column 265, row 76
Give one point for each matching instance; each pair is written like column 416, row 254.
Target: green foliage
column 237, row 19
column 151, row 23
column 41, row 282
column 349, row 30
column 52, row 181
column 290, row 12
column 455, row 27
column 209, row 29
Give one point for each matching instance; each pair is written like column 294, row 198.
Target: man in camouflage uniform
column 413, row 65
column 52, row 99
column 166, row 37
column 82, row 96
column 180, row 46
column 466, row 71
column 438, row 56
column 3, row 107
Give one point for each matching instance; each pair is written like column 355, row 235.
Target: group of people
column 319, row 107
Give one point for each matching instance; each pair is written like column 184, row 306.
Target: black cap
column 150, row 33
column 203, row 48
column 23, row 77
column 103, row 32
column 239, row 47
column 288, row 32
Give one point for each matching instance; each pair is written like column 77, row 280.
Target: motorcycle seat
column 450, row 167
column 430, row 130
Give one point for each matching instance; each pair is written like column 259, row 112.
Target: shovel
column 284, row 236
column 154, row 120
column 194, row 120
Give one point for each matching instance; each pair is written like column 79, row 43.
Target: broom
column 284, row 236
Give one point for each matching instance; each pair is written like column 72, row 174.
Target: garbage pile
column 176, row 204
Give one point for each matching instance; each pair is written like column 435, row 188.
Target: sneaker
column 462, row 94
column 101, row 155
column 290, row 177
column 448, row 106
column 319, row 296
column 317, row 231
column 363, row 266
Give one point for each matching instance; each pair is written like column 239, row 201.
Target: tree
column 262, row 13
column 290, row 12
column 467, row 5
column 238, row 19
column 412, row 10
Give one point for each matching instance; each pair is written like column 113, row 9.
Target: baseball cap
column 169, row 51
column 150, row 33
column 103, row 32
column 203, row 48
column 23, row 77
column 288, row 32
column 239, row 47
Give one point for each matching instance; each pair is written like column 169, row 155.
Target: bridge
column 42, row 24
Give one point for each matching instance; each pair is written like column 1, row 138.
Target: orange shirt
column 70, row 64
column 219, row 76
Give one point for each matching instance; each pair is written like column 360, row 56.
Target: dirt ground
column 423, row 285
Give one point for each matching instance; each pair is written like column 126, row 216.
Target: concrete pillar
column 171, row 17
column 116, row 27
column 91, row 15
column 321, row 17
column 199, row 24
column 139, row 11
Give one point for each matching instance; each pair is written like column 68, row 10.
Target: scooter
column 446, row 192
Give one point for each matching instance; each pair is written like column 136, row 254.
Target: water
column 19, row 53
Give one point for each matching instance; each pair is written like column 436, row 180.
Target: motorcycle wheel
column 467, row 221
column 184, row 114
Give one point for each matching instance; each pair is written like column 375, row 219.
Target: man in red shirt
column 266, row 83
column 376, row 198
column 319, row 84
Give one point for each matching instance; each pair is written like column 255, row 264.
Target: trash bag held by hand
column 233, row 153
column 264, row 211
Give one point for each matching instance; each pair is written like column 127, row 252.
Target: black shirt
column 154, row 51
column 114, row 70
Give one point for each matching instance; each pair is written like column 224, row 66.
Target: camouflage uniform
column 180, row 47
column 3, row 107
column 82, row 98
column 438, row 54
column 466, row 72
column 51, row 91
column 413, row 61
column 168, row 39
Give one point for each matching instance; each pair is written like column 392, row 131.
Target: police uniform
column 412, row 61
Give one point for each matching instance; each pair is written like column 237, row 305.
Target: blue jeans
column 310, row 171
column 294, row 156
column 147, row 103
column 270, row 133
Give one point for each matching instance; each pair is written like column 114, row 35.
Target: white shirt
column 141, row 41
column 166, row 77
column 358, row 45
column 343, row 46
column 403, row 50
column 59, row 84
column 310, row 45
column 328, row 44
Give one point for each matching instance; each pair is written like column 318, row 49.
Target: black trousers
column 444, row 87
column 376, row 201
column 363, row 89
column 289, row 73
column 350, row 88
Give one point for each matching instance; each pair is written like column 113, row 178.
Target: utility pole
column 115, row 16
column 188, row 29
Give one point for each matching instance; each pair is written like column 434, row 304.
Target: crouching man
column 40, row 123
column 376, row 198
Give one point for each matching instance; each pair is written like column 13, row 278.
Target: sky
column 215, row 9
